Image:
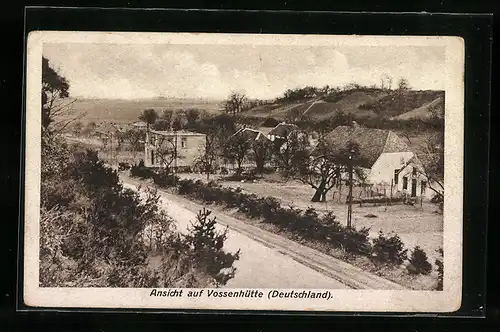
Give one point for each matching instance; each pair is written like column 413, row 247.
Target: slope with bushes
column 95, row 233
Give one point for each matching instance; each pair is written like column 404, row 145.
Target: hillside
column 123, row 111
column 362, row 103
column 435, row 107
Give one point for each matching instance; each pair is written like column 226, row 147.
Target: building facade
column 173, row 149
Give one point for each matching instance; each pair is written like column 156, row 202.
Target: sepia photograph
column 240, row 171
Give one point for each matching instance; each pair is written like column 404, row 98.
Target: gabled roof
column 371, row 143
column 175, row 133
column 283, row 129
column 252, row 134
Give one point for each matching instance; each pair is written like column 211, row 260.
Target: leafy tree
column 261, row 152
column 179, row 120
column 234, row 104
column 236, row 149
column 56, row 109
column 192, row 115
column 149, row 116
column 167, row 115
column 289, row 152
column 206, row 244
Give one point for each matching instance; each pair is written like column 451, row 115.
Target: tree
column 208, row 155
column 322, row 169
column 167, row 116
column 55, row 106
column 166, row 151
column 433, row 164
column 261, row 152
column 179, row 120
column 192, row 117
column 236, row 149
column 149, row 116
column 206, row 245
column 135, row 139
column 403, row 84
column 386, row 82
column 234, row 103
column 289, row 152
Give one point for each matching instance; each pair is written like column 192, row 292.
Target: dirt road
column 269, row 260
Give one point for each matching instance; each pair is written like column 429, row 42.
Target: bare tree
column 385, row 82
column 323, row 168
column 433, row 164
column 234, row 103
column 135, row 139
column 166, row 151
column 403, row 84
column 208, row 155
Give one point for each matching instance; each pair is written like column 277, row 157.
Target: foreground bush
column 207, row 244
column 389, row 249
column 419, row 262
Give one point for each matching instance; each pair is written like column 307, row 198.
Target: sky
column 118, row 71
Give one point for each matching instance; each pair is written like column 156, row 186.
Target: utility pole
column 349, row 207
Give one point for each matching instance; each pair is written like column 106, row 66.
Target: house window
column 423, row 185
column 183, row 143
column 405, row 183
column 152, row 157
column 414, row 171
column 396, row 176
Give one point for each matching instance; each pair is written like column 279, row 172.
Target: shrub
column 165, row 179
column 206, row 245
column 419, row 262
column 97, row 238
column 356, row 241
column 440, row 269
column 389, row 249
column 141, row 171
column 122, row 166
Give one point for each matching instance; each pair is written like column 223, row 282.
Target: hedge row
column 304, row 223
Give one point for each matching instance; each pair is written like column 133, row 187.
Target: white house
column 183, row 148
column 388, row 162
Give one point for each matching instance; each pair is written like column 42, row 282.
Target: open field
column 124, row 111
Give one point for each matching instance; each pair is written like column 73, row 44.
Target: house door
column 413, row 188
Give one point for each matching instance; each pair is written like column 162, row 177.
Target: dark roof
column 283, row 129
column 371, row 143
